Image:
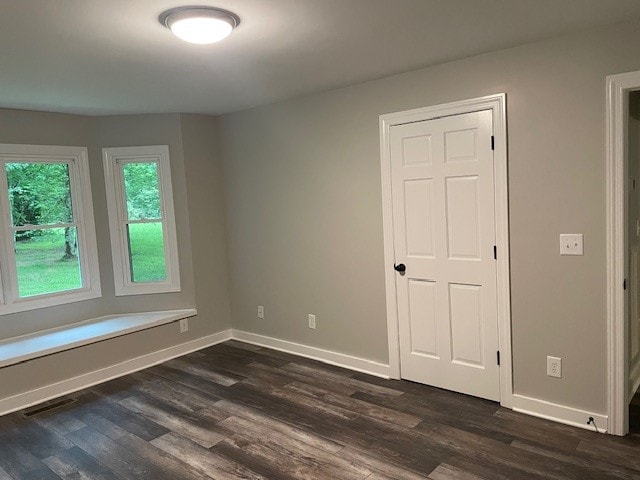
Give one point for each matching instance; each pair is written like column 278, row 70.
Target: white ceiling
column 113, row 56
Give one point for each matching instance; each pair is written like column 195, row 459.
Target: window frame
column 113, row 159
column 82, row 208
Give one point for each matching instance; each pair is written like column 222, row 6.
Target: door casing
column 497, row 104
column 618, row 88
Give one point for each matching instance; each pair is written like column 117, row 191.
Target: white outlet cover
column 554, row 367
column 260, row 311
column 312, row 321
column 184, row 325
column 571, row 244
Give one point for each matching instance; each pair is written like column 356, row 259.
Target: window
column 141, row 220
column 48, row 255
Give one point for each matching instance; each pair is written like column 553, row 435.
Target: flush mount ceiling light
column 200, row 25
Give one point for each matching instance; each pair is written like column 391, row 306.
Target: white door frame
column 618, row 88
column 497, row 104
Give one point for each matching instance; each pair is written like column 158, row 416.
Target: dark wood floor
column 237, row 411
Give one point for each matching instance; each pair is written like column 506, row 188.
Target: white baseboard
column 521, row 403
column 65, row 387
column 531, row 406
column 559, row 413
column 327, row 356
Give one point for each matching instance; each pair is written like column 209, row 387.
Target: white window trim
column 82, row 206
column 116, row 205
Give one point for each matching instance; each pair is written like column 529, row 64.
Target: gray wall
column 302, row 181
column 194, row 165
column 206, row 213
column 303, row 217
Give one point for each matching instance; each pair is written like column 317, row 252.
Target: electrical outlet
column 554, row 367
column 260, row 311
column 184, row 325
column 312, row 321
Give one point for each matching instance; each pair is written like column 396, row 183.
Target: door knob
column 401, row 267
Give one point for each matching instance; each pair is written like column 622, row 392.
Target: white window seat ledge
column 40, row 344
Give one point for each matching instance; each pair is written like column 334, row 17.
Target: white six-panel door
column 444, row 233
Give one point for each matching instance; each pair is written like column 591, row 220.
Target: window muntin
column 141, row 220
column 49, row 254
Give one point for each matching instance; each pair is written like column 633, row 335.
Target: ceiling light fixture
column 200, row 25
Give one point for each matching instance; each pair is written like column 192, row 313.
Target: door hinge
column 498, row 357
column 493, row 142
column 495, row 252
column 624, row 284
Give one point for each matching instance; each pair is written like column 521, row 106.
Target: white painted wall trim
column 77, row 161
column 559, row 413
column 531, row 406
column 65, row 387
column 327, row 356
column 618, row 88
column 497, row 104
column 114, row 161
column 519, row 403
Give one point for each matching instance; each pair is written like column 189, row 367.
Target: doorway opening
column 632, row 142
column 623, row 249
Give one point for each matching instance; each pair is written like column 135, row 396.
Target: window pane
column 39, row 193
column 47, row 261
column 142, row 190
column 146, row 252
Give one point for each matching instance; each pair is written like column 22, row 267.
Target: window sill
column 28, row 347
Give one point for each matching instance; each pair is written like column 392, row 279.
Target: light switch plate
column 571, row 244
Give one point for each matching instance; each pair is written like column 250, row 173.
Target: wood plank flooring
column 235, row 411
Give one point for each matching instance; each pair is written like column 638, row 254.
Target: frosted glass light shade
column 200, row 25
